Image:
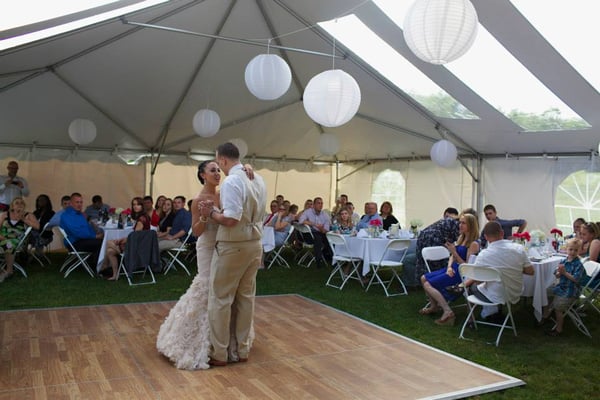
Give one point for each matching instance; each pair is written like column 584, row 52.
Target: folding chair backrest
column 23, row 239
column 398, row 244
column 479, row 273
column 336, row 239
column 70, row 246
column 592, row 269
column 435, row 253
column 304, row 229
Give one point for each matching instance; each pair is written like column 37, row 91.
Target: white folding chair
column 342, row 256
column 134, row 244
column 387, row 263
column 307, row 253
column 43, row 259
column 588, row 293
column 176, row 252
column 75, row 258
column 481, row 273
column 274, row 256
column 434, row 253
column 21, row 247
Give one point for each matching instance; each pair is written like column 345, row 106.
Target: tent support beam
column 100, row 109
column 232, row 39
column 165, row 130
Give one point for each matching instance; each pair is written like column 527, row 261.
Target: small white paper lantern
column 440, row 31
column 206, row 123
column 82, row 131
column 328, row 144
column 331, row 98
column 241, row 145
column 268, row 76
column 443, row 153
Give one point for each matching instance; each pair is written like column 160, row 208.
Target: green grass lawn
column 553, row 368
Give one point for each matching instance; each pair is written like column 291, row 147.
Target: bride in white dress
column 184, row 335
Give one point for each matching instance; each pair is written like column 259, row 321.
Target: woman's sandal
column 429, row 310
column 449, row 319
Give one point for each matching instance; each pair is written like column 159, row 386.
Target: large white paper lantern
column 328, row 144
column 331, row 98
column 443, row 153
column 206, row 123
column 82, row 131
column 241, row 145
column 440, row 31
column 268, row 76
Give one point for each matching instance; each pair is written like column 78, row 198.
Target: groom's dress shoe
column 242, row 359
column 216, row 363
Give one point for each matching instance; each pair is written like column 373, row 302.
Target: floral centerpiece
column 538, row 238
column 557, row 235
column 375, row 226
column 415, row 224
column 522, row 237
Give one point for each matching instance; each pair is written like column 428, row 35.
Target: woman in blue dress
column 435, row 282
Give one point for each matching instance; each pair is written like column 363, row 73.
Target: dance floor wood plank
column 303, row 349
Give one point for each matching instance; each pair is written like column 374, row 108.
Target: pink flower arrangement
column 375, row 222
column 126, row 211
column 112, row 210
column 557, row 233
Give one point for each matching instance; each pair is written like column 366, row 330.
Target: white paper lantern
column 268, row 76
column 241, row 145
column 331, row 98
column 328, row 144
column 443, row 153
column 82, row 131
column 206, row 123
column 440, row 31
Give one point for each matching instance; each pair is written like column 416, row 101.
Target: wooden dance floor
column 303, row 350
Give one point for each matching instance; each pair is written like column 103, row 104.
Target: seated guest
column 589, row 234
column 319, row 226
column 65, row 202
column 151, row 211
column 577, row 224
column 340, row 204
column 79, row 231
column 512, row 262
column 159, row 202
column 308, row 204
column 280, row 199
column 436, row 234
column 386, row 214
column 181, row 225
column 344, row 221
column 13, row 224
column 281, row 224
column 43, row 213
column 566, row 291
column 293, row 212
column 116, row 247
column 167, row 214
column 370, row 214
column 270, row 215
column 507, row 224
column 353, row 214
column 436, row 282
column 93, row 210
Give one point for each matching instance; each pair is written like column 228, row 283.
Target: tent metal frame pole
column 233, row 40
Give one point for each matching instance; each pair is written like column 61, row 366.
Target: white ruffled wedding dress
column 184, row 335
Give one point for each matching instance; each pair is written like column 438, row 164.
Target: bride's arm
column 198, row 222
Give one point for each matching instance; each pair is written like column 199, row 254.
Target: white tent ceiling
column 141, row 86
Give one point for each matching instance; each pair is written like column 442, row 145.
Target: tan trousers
column 232, row 277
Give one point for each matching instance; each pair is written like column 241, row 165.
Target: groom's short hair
column 228, row 150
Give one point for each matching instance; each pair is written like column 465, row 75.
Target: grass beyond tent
column 553, row 368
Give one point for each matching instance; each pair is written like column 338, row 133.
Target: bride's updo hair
column 202, row 168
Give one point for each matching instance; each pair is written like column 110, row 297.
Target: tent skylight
column 495, row 75
column 355, row 35
column 23, row 13
column 566, row 25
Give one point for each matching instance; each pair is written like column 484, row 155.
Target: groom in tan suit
column 237, row 255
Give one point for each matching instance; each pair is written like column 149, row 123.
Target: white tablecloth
column 268, row 239
column 371, row 250
column 536, row 286
column 111, row 234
